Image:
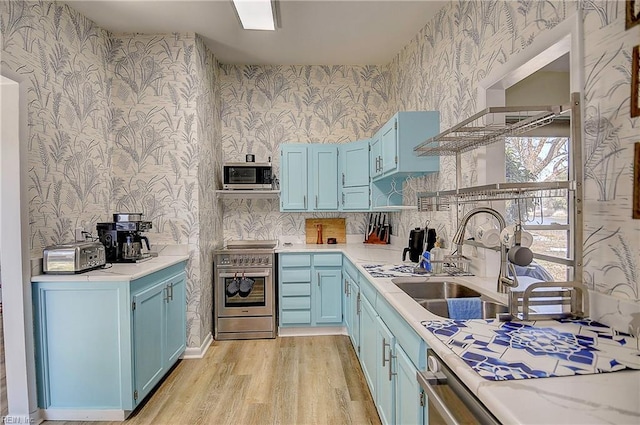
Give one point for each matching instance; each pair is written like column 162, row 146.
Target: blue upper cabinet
column 354, row 172
column 354, row 163
column 397, row 138
column 323, row 177
column 309, row 177
column 293, row 177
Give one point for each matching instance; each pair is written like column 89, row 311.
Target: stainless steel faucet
column 504, row 280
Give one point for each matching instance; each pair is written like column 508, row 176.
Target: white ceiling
column 312, row 32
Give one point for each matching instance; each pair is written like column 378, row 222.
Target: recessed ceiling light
column 255, row 14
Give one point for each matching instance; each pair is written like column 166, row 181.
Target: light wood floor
column 292, row 380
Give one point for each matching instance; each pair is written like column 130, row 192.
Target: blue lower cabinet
column 409, row 409
column 310, row 289
column 101, row 347
column 368, row 345
column 385, row 376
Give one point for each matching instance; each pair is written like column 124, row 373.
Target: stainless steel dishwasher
column 450, row 401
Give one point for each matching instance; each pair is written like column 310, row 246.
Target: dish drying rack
column 493, row 125
column 539, row 300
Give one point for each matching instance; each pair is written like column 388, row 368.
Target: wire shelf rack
column 489, row 126
column 442, row 200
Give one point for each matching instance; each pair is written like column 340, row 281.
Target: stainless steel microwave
column 246, row 175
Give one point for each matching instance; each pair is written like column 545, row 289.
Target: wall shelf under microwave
column 247, row 194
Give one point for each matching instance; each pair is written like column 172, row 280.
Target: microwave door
column 242, row 175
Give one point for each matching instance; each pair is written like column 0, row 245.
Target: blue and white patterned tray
column 519, row 350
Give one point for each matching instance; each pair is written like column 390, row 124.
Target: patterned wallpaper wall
column 119, row 123
column 264, row 106
column 461, row 46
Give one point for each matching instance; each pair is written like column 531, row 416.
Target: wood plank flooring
column 291, row 380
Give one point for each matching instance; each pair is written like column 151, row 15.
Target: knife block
column 375, row 240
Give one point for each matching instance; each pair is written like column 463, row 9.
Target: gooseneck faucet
column 458, row 239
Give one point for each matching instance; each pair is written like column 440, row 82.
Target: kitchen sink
column 429, row 289
column 432, row 295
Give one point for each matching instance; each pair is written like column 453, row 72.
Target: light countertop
column 117, row 272
column 582, row 399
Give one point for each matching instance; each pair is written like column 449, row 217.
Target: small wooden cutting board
column 331, row 228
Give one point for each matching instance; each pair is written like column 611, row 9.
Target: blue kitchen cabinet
column 328, row 296
column 101, row 346
column 368, row 346
column 323, row 177
column 310, row 289
column 308, row 177
column 385, row 376
column 352, row 304
column 397, row 139
column 293, row 177
column 409, row 410
column 354, row 163
column 375, row 155
column 355, row 180
column 148, row 338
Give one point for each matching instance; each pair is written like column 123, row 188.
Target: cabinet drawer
column 291, row 317
column 411, row 343
column 296, row 303
column 295, row 289
column 289, row 260
column 321, row 260
column 368, row 290
column 295, row 275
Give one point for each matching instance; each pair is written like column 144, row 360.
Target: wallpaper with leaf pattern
column 264, row 106
column 119, row 123
column 144, row 122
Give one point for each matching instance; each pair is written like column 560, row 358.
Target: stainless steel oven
column 244, row 291
column 450, row 401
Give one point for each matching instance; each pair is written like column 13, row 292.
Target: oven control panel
column 245, row 260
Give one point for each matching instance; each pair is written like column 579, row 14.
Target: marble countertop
column 582, row 399
column 117, row 272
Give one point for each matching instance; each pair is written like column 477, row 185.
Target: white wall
column 14, row 254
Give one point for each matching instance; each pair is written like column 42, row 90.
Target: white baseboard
column 198, row 352
column 313, row 331
column 83, row 415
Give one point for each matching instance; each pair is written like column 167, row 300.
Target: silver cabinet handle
column 358, row 304
column 343, row 199
column 343, row 179
column 384, row 357
column 318, row 278
column 346, row 286
column 316, row 201
column 391, row 357
column 165, row 298
column 305, row 201
column 171, row 292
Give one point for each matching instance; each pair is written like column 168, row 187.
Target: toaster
column 74, row 257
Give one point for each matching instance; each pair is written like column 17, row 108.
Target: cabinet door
column 176, row 317
column 348, row 301
column 385, row 378
column 324, row 178
column 407, row 394
column 375, row 155
column 389, row 146
column 368, row 346
column 356, row 198
column 328, row 296
column 149, row 338
column 293, row 178
column 354, row 163
column 354, row 332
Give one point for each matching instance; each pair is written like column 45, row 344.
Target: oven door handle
column 262, row 273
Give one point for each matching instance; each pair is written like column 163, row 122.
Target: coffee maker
column 122, row 238
column 416, row 245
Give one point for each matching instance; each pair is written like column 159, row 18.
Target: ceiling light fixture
column 255, row 14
